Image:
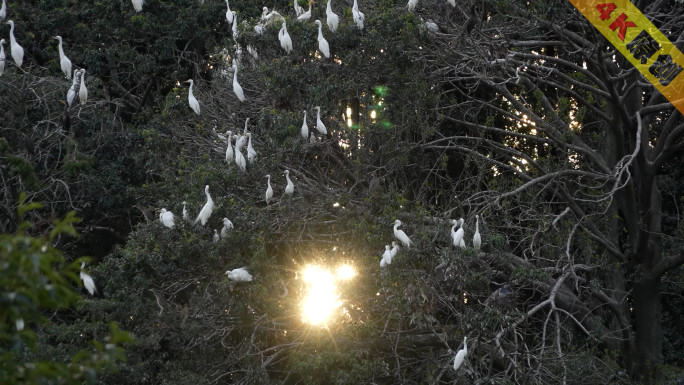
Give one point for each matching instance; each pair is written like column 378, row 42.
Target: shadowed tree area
column 517, row 117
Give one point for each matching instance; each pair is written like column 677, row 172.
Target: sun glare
column 322, row 298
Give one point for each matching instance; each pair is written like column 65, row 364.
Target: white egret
column 289, row 189
column 192, row 100
column 205, row 213
column 186, row 215
column 460, row 356
column 166, row 218
column 477, row 240
column 138, row 4
column 395, row 249
column 412, row 5
column 269, row 190
column 19, row 323
column 15, row 49
column 64, row 62
column 83, row 91
column 87, row 280
column 229, row 150
column 252, row 51
column 239, row 158
column 3, row 10
column 431, row 26
column 457, row 235
column 227, row 226
column 306, row 15
column 387, row 255
column 251, row 153
column 259, row 29
column 319, row 123
column 243, row 137
column 229, row 13
column 269, row 17
column 332, row 18
column 235, row 28
column 305, row 128
column 236, row 86
column 285, row 39
column 383, row 263
column 2, row 55
column 298, row 8
column 216, row 237
column 401, row 235
column 71, row 93
column 452, row 3
column 239, row 275
column 323, row 45
column 359, row 17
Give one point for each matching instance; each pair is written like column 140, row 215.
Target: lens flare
column 345, row 272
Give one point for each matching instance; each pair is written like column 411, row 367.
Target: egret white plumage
column 227, row 226
column 239, row 158
column 477, row 239
column 186, row 215
column 19, row 323
column 269, row 17
column 332, row 18
column 243, row 138
column 387, row 255
column 285, row 39
column 460, row 356
column 452, row 3
column 298, row 8
column 2, row 56
column 319, row 123
column 269, row 190
column 216, row 236
column 252, row 51
column 359, row 17
column 138, row 4
column 239, row 275
column 431, row 26
column 412, row 5
column 289, row 189
column 229, row 13
column 323, row 45
column 229, row 150
column 3, row 10
column 236, row 86
column 306, row 15
column 259, row 29
column 16, row 50
column 401, row 235
column 64, row 62
column 83, row 91
column 395, row 249
column 192, row 100
column 87, row 280
column 205, row 213
column 251, row 153
column 234, row 28
column 166, row 218
column 457, row 235
column 71, row 93
column 305, row 128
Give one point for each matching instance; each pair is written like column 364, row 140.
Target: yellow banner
column 641, row 43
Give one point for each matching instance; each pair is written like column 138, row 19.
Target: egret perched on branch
column 306, row 15
column 87, row 280
column 323, row 45
column 412, row 5
column 64, row 62
column 239, row 158
column 3, row 10
column 460, row 356
column 457, row 235
column 319, row 123
column 227, row 226
column 229, row 13
column 71, row 93
column 401, row 235
column 305, row 128
column 216, row 237
column 2, row 56
column 477, row 240
column 251, row 153
column 452, row 3
column 269, row 17
column 15, row 49
column 252, row 51
column 239, row 275
column 186, row 215
column 236, row 86
column 138, row 4
column 235, row 28
column 395, row 249
column 243, row 137
column 83, row 91
column 259, row 29
column 386, row 257
column 298, row 8
column 205, row 213
column 229, row 150
column 431, row 26
column 192, row 101
column 285, row 39
column 166, row 218
column 289, row 189
column 269, row 190
column 332, row 18
column 359, row 17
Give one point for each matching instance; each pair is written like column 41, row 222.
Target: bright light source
column 322, row 298
column 373, row 114
column 345, row 272
column 336, row 204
